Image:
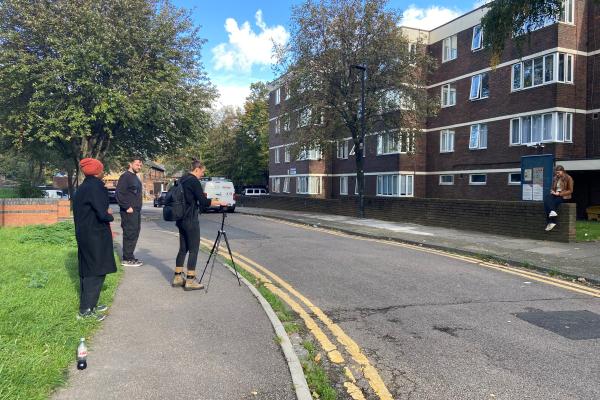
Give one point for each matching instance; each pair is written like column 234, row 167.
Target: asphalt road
column 434, row 327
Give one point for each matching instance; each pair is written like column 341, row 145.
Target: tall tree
column 236, row 146
column 508, row 19
column 331, row 41
column 100, row 78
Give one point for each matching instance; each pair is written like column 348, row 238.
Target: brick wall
column 20, row 212
column 510, row 218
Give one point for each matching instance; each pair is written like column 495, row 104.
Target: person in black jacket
column 92, row 217
column 189, row 227
column 129, row 196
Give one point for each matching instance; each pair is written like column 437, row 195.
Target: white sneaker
column 553, row 214
column 550, row 226
column 131, row 263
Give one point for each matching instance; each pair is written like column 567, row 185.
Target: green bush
column 8, row 193
column 27, row 190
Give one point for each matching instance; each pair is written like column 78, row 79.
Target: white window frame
column 344, row 185
column 287, row 153
column 550, row 61
column 342, row 149
column 286, row 184
column 450, row 89
column 314, row 184
column 445, row 142
column 477, row 80
column 277, row 95
column 276, row 157
column 302, row 184
column 477, row 183
column 287, row 92
column 561, row 125
column 286, row 123
column 569, row 16
column 442, row 183
column 450, row 48
column 277, row 126
column 394, row 143
column 394, row 185
column 482, row 140
column 275, row 185
column 479, row 45
column 511, row 181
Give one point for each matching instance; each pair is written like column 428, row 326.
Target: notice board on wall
column 536, row 176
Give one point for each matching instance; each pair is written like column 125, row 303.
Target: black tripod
column 215, row 250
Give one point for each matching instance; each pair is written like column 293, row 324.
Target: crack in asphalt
column 337, row 314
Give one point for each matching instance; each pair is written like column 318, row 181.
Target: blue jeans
column 551, row 203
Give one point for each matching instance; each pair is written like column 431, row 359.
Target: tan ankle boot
column 178, row 277
column 191, row 283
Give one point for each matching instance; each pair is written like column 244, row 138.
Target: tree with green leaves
column 237, row 144
column 506, row 19
column 100, row 78
column 331, row 42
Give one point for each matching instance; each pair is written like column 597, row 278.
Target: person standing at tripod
column 189, row 227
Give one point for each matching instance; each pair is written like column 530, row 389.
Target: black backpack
column 175, row 206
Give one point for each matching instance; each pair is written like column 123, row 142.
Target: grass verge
column 587, row 231
column 316, row 376
column 8, row 193
column 39, row 299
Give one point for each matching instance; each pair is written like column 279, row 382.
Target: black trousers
column 89, row 291
column 131, row 225
column 551, row 203
column 189, row 242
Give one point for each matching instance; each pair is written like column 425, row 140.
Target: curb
column 298, row 378
column 519, row 264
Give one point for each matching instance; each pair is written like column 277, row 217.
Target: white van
column 54, row 194
column 220, row 189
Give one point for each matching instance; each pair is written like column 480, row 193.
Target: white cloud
column 247, row 47
column 232, row 95
column 428, row 18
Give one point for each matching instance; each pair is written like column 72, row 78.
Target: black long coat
column 92, row 229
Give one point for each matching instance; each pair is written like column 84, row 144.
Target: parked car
column 112, row 196
column 220, row 189
column 255, row 192
column 159, row 199
column 54, row 194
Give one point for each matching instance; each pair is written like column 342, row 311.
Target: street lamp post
column 361, row 140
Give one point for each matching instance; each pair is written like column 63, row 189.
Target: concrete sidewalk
column 160, row 342
column 572, row 259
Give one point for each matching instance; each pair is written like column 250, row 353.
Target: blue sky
column 240, row 33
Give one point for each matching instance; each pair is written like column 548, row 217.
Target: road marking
column 574, row 287
column 349, row 344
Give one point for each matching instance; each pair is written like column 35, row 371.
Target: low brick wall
column 20, row 212
column 510, row 218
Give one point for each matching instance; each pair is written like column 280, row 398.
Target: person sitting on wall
column 562, row 189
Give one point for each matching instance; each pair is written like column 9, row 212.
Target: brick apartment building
column 544, row 99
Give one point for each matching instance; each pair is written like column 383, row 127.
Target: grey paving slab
column 160, row 342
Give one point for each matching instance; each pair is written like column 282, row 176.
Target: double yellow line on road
column 285, row 291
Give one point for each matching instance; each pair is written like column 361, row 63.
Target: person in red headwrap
column 92, row 217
